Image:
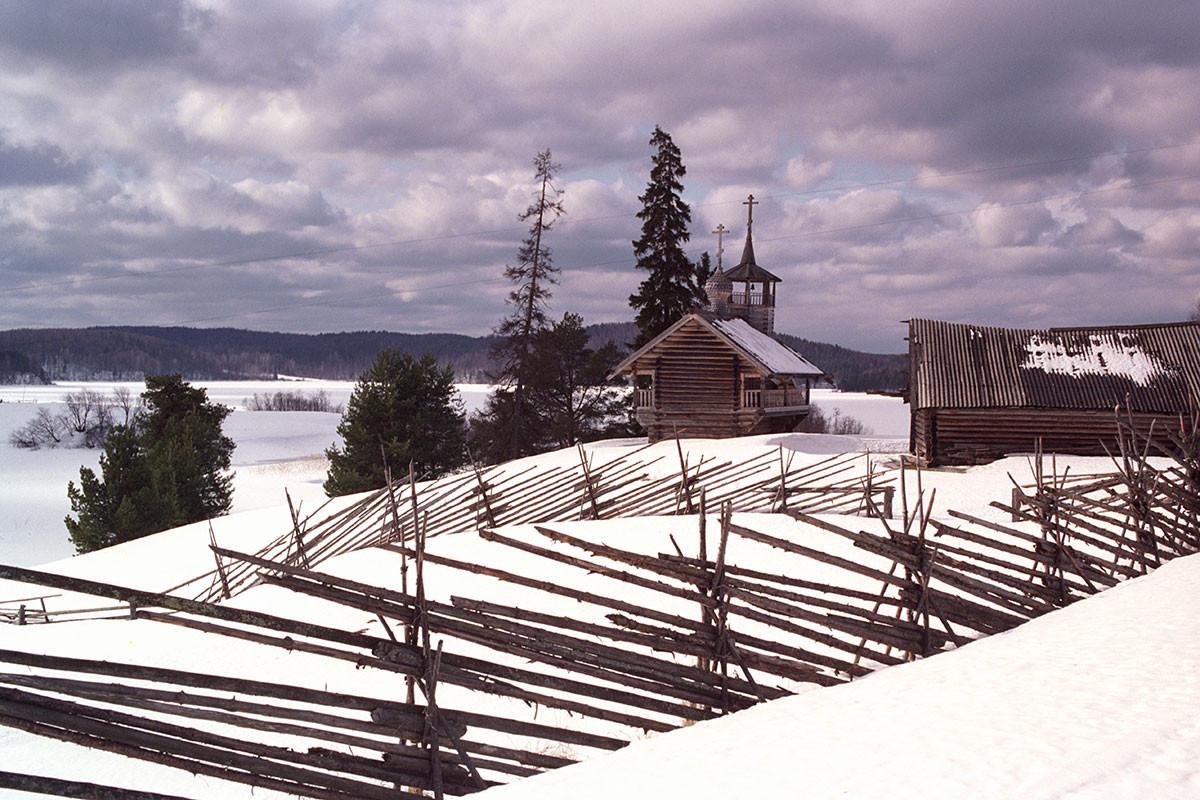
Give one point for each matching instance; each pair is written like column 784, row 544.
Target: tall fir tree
column 670, row 290
column 704, row 271
column 511, row 432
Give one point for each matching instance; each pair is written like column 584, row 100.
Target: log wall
column 697, row 387
column 944, row 436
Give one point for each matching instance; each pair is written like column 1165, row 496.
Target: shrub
column 84, row 421
column 839, row 424
column 44, row 430
column 291, row 401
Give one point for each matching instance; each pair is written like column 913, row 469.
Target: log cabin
column 720, row 372
column 979, row 393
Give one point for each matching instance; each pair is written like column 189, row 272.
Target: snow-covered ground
column 274, row 449
column 1097, row 700
column 1100, row 700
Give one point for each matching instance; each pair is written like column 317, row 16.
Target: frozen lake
column 274, row 449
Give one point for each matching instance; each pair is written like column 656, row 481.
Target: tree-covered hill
column 130, row 352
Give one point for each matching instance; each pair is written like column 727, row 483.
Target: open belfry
column 719, row 371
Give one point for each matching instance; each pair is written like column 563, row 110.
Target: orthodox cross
column 751, row 202
column 720, row 232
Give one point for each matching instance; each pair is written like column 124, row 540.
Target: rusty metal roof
column 1144, row 367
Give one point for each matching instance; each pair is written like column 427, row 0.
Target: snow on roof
column 773, row 354
column 1154, row 368
column 1101, row 354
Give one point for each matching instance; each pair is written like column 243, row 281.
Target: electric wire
column 313, row 253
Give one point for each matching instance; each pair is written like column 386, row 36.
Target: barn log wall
column 697, row 388
column 978, row 435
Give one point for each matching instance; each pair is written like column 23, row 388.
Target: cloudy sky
column 325, row 166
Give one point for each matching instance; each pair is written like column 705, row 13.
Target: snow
column 1096, row 700
column 1104, row 354
column 275, row 449
column 771, row 353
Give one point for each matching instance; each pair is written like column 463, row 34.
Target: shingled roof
column 1142, row 367
column 748, row 269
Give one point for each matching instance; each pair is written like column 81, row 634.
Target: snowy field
column 274, row 449
column 1098, row 700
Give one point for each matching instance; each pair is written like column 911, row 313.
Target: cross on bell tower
column 753, row 295
column 750, row 203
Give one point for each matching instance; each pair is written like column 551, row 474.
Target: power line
column 806, row 234
column 496, row 231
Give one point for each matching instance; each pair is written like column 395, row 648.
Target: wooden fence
column 837, row 603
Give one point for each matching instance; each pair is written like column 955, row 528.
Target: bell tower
column 752, row 289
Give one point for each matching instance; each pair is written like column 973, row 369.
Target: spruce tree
column 507, row 432
column 670, row 290
column 404, row 410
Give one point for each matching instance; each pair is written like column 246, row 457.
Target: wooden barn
column 978, row 393
column 720, row 372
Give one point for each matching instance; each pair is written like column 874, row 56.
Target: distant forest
column 129, row 353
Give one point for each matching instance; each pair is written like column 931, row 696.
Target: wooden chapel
column 719, row 371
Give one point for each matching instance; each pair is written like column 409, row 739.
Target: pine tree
column 168, row 468
column 670, row 290
column 533, row 274
column 570, row 393
column 181, row 433
column 404, row 410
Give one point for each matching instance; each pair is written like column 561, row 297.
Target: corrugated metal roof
column 1147, row 367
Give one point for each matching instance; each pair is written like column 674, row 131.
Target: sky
column 328, row 166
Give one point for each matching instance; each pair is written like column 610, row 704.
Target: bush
column 44, row 430
column 403, row 410
column 840, row 424
column 291, row 401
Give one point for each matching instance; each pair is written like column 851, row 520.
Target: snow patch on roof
column 771, row 353
column 1111, row 355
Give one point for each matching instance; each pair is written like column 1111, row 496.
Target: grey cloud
column 373, row 123
column 90, row 36
column 1101, row 229
column 38, row 165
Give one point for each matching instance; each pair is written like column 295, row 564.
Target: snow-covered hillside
column 1095, row 700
